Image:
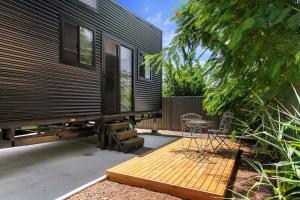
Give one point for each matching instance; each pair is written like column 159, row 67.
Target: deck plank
column 145, row 168
column 169, row 170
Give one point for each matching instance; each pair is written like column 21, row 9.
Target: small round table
column 199, row 124
column 196, row 127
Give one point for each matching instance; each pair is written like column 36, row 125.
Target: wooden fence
column 172, row 109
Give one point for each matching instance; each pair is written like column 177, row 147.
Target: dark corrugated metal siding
column 35, row 85
column 143, row 38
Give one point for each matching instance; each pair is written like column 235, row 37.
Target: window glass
column 126, row 79
column 92, row 3
column 141, row 66
column 111, row 59
column 86, row 46
column 70, row 38
column 144, row 72
column 147, row 73
column 111, row 78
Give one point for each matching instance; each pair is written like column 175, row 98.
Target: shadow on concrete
column 16, row 159
column 141, row 151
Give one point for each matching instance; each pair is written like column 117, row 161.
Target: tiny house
column 74, row 61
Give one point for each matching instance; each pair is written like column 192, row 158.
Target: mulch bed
column 108, row 190
column 243, row 172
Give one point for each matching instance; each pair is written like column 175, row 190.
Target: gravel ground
column 107, row 190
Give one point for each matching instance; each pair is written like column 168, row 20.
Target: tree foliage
column 254, row 45
column 183, row 80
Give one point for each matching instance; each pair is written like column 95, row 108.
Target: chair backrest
column 226, row 121
column 188, row 117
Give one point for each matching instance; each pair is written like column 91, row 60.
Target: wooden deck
column 180, row 173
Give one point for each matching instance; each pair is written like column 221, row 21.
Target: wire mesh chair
column 224, row 128
column 191, row 130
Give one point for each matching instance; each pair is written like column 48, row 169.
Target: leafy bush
column 184, row 80
column 278, row 135
column 254, row 45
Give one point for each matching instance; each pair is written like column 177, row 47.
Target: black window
column 70, row 47
column 77, row 44
column 91, row 3
column 144, row 71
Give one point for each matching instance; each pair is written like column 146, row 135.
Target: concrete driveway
column 47, row 171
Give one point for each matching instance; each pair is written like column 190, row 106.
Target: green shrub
column 184, row 80
column 254, row 47
column 278, row 135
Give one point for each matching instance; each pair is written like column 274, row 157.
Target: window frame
column 78, row 24
column 139, row 75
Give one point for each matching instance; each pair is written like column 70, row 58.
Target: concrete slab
column 156, row 141
column 47, row 171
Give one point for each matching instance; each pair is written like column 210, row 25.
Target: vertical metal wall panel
column 173, row 108
column 34, row 85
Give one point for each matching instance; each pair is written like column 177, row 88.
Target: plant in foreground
column 279, row 136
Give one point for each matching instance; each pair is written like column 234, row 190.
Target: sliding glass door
column 111, row 78
column 125, row 79
column 118, row 80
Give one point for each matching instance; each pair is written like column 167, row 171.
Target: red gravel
column 243, row 172
column 107, row 190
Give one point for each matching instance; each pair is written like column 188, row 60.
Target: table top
column 199, row 123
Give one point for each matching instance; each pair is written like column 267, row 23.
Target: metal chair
column 224, row 129
column 190, row 130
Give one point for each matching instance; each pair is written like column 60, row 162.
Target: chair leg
column 211, row 141
column 224, row 142
column 197, row 144
column 217, row 138
column 221, row 141
column 190, row 142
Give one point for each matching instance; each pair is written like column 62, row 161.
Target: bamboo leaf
column 234, row 41
column 277, row 68
column 282, row 15
column 248, row 23
column 294, row 20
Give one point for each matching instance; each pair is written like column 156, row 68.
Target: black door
column 111, row 77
